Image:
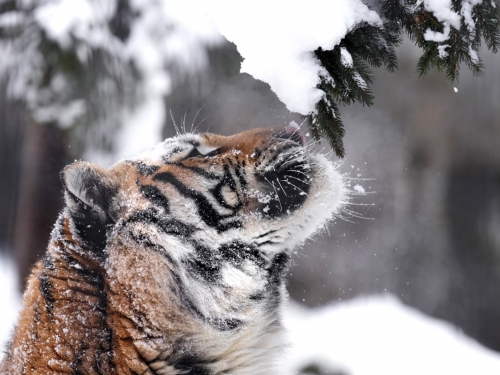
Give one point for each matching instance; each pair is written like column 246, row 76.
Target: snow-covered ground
column 375, row 335
column 379, row 335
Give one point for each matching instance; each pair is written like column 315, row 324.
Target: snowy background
column 410, row 289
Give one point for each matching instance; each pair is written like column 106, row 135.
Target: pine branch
column 349, row 64
column 347, row 68
column 349, row 77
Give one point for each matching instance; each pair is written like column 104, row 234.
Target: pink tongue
column 295, row 134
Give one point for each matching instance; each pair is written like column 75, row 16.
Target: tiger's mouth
column 286, row 176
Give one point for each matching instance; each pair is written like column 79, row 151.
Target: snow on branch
column 317, row 54
column 278, row 38
column 103, row 63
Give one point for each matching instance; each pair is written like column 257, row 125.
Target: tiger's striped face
column 260, row 186
column 216, row 216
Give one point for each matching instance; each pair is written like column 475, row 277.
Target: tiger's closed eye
column 215, row 152
column 195, row 153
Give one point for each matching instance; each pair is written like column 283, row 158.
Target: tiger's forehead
column 245, row 142
column 170, row 146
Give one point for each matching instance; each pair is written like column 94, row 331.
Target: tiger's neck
column 62, row 327
column 128, row 313
column 160, row 316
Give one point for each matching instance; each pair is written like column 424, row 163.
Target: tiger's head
column 206, row 223
column 261, row 187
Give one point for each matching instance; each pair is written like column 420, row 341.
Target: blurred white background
column 427, row 155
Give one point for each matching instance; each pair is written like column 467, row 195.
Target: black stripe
column 207, row 213
column 275, row 279
column 76, row 364
column 257, row 297
column 155, row 196
column 104, row 355
column 278, row 267
column 36, row 321
column 236, row 252
column 207, row 263
column 192, row 365
column 168, row 226
column 48, row 296
column 146, row 169
column 267, row 233
column 197, row 170
column 228, row 181
column 48, row 262
column 72, row 262
column 267, row 243
column 172, row 152
column 186, row 360
column 241, row 178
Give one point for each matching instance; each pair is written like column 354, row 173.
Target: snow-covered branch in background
column 316, row 54
column 102, row 65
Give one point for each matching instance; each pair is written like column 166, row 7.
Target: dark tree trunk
column 12, row 124
column 40, row 195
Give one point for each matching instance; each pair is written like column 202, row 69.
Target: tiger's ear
column 87, row 184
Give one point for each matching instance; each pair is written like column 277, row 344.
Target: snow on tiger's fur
column 174, row 262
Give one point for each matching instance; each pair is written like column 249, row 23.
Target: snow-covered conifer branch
column 65, row 58
column 318, row 54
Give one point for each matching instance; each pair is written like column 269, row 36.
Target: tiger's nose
column 289, row 132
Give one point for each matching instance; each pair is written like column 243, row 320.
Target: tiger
column 175, row 261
